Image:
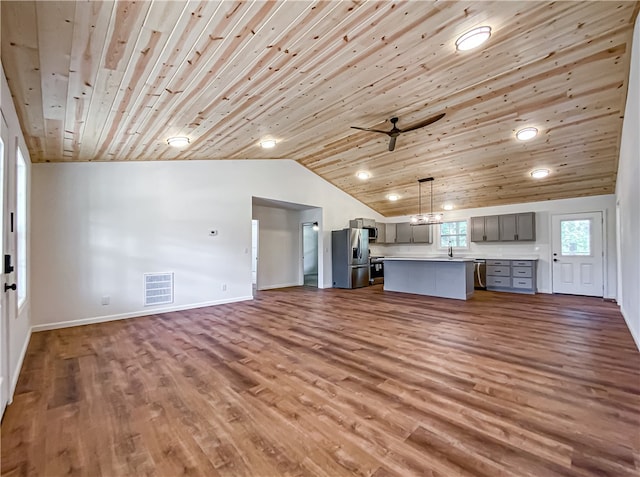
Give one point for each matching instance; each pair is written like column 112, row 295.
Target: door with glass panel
column 4, row 326
column 578, row 262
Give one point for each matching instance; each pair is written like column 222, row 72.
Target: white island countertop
column 430, row 259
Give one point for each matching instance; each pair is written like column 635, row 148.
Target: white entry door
column 4, row 325
column 578, row 261
column 8, row 300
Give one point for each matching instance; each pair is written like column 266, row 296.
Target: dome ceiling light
column 539, row 173
column 178, row 141
column 268, row 143
column 473, row 38
column 526, row 134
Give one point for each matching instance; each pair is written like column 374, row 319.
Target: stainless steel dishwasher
column 480, row 274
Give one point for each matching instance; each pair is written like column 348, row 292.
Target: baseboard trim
column 280, row 285
column 136, row 314
column 16, row 372
column 636, row 339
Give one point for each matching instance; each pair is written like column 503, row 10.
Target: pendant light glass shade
column 426, row 218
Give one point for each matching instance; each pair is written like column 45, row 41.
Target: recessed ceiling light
column 539, row 173
column 268, row 143
column 526, row 134
column 393, row 197
column 447, row 206
column 473, row 38
column 363, row 175
column 178, row 141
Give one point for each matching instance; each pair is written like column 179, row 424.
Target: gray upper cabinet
column 518, row 227
column 407, row 233
column 485, row 229
column 390, row 233
column 505, row 228
column 403, row 232
column 526, row 226
column 421, row 233
column 382, row 232
column 508, row 227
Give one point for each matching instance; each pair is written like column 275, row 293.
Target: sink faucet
column 450, row 250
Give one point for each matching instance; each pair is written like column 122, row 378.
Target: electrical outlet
column 105, row 300
column 213, row 233
column 224, row 287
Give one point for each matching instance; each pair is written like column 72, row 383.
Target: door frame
column 605, row 247
column 301, row 267
column 5, row 358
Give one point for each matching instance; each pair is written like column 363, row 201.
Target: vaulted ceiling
column 111, row 81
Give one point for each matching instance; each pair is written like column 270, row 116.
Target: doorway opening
column 255, row 226
column 310, row 254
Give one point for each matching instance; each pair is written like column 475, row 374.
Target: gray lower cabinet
column 518, row 276
column 407, row 233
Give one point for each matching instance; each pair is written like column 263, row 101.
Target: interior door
column 578, row 262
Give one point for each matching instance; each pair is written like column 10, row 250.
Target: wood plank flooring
column 307, row 382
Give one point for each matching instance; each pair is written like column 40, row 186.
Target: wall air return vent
column 158, row 288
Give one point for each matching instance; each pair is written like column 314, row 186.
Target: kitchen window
column 454, row 234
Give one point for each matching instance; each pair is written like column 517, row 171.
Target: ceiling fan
column 396, row 131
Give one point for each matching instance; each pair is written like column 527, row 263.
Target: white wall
column 542, row 245
column 19, row 328
column 97, row 227
column 278, row 247
column 628, row 198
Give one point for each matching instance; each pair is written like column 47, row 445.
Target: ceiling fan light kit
column 178, row 141
column 473, row 38
column 429, row 218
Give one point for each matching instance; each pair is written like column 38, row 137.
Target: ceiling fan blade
column 392, row 143
column 424, row 123
column 370, row 130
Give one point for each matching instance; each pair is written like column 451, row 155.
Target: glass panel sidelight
column 575, row 237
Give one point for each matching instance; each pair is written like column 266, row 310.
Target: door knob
column 555, row 259
column 9, row 287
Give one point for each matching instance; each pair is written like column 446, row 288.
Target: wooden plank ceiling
column 111, row 81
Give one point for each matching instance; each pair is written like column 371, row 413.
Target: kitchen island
column 442, row 277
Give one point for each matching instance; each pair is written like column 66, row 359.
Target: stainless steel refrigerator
column 350, row 258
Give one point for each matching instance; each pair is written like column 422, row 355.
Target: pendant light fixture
column 430, row 218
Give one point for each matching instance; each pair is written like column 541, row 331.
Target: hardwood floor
column 334, row 383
